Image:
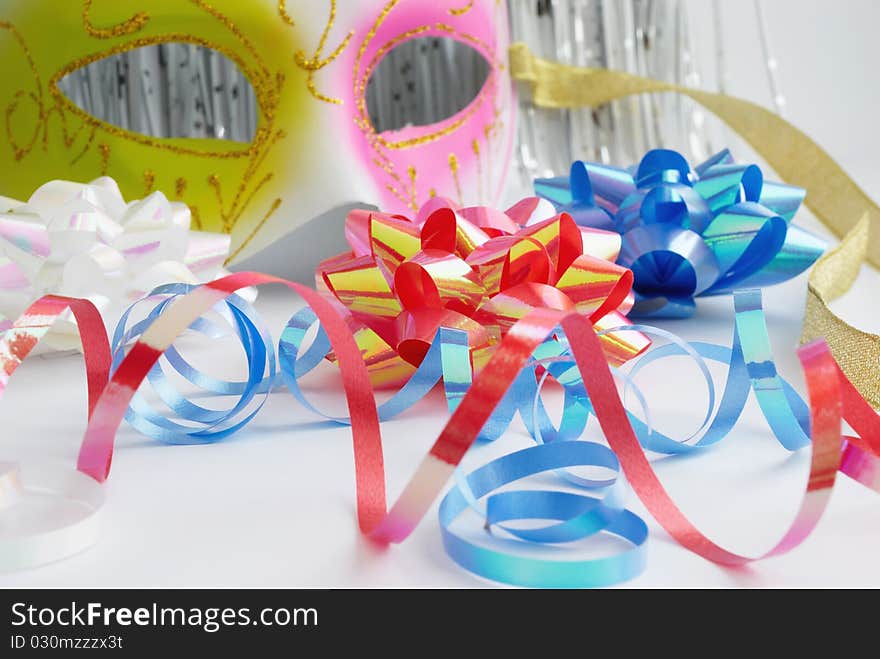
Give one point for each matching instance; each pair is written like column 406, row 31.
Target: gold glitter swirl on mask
column 362, row 119
column 833, row 197
column 282, row 11
column 270, row 213
column 371, row 34
column 214, row 182
column 130, row 26
column 311, row 65
column 243, row 198
column 453, row 167
column 86, row 146
column 235, row 31
column 149, row 181
column 104, row 150
column 475, row 147
column 397, row 188
column 413, row 177
column 461, row 10
column 18, row 149
column 197, row 219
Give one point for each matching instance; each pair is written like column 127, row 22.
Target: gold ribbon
column 835, row 199
column 857, row 352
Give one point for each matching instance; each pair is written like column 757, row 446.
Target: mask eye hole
column 424, row 81
column 167, row 90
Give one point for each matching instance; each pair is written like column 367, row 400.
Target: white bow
column 83, row 240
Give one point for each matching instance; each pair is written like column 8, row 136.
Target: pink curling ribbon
column 476, row 269
column 22, row 337
column 43, row 536
column 831, row 398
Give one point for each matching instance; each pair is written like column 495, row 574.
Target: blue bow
column 687, row 233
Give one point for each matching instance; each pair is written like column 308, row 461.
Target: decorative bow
column 473, row 269
column 688, row 232
column 84, row 240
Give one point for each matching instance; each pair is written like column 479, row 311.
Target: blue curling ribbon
column 197, row 424
column 578, row 516
column 447, row 360
column 504, row 550
column 686, row 233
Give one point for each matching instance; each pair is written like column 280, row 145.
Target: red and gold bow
column 475, row 269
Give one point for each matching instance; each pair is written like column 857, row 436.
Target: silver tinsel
column 646, row 37
column 650, row 38
column 167, row 90
column 424, row 81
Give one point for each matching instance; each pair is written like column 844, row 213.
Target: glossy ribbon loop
column 545, row 343
column 48, row 512
column 198, row 424
column 687, row 233
column 578, row 516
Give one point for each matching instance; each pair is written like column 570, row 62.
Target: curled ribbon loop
column 562, row 344
column 687, row 233
column 199, row 424
column 66, row 517
column 578, row 516
column 575, row 518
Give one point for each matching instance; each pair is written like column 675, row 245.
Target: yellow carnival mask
column 314, row 147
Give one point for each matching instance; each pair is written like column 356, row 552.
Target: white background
column 274, row 506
